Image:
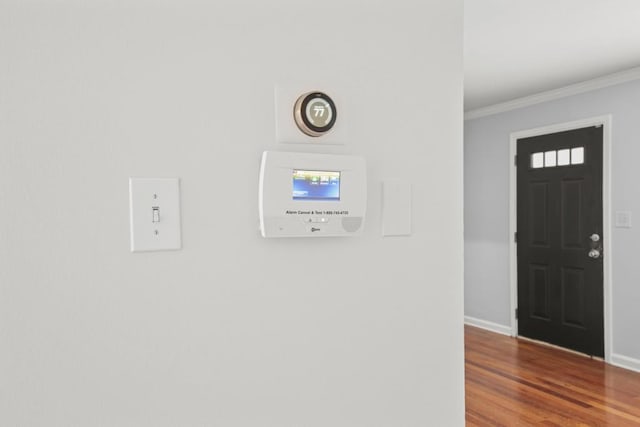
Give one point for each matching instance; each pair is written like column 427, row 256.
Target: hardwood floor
column 512, row 382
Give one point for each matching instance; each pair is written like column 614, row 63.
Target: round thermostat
column 315, row 113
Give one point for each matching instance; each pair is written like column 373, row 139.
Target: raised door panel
column 571, row 218
column 539, row 214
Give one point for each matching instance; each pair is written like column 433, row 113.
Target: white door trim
column 606, row 122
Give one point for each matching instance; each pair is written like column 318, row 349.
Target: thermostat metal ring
column 302, row 120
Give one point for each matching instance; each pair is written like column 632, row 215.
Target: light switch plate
column 154, row 205
column 623, row 219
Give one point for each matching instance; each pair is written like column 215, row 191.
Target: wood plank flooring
column 512, row 382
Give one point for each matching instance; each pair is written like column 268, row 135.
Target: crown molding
column 550, row 95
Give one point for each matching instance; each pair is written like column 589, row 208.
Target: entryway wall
column 233, row 330
column 487, row 162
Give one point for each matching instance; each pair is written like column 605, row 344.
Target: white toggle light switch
column 151, row 230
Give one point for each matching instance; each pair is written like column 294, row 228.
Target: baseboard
column 489, row 326
column 625, row 362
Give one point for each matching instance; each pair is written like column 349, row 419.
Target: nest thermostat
column 315, row 113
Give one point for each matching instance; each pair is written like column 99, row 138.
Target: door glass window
column 577, row 156
column 564, row 157
column 537, row 160
column 551, row 159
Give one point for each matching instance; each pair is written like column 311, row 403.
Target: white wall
column 486, row 180
column 234, row 330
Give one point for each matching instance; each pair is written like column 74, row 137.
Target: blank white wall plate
column 286, row 129
column 623, row 219
column 163, row 195
column 396, row 208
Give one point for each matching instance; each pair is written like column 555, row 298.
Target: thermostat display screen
column 316, row 185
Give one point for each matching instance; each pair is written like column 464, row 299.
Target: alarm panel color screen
column 316, row 185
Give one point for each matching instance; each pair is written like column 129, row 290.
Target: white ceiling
column 515, row 48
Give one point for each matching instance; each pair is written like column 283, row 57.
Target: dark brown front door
column 559, row 239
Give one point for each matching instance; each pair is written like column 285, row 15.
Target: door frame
column 604, row 121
